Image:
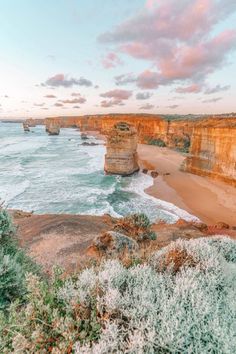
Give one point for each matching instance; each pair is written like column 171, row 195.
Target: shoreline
column 209, row 200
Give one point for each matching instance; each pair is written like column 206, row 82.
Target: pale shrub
column 146, row 308
column 151, row 311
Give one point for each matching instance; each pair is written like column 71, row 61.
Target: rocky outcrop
column 70, row 240
column 26, row 127
column 213, row 150
column 33, row 122
column 112, row 243
column 53, row 129
column 121, row 157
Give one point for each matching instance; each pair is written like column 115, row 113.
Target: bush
column 139, row 220
column 136, row 226
column 146, row 308
column 14, row 264
column 151, row 311
column 49, row 322
column 157, row 142
column 6, row 225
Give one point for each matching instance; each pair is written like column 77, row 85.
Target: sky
column 76, row 57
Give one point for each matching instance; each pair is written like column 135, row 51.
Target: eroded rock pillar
column 121, row 157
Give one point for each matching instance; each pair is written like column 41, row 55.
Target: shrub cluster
column 153, row 307
column 137, row 226
column 14, row 264
column 157, row 142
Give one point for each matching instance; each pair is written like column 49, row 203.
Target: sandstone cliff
column 212, row 139
column 121, row 157
column 213, row 150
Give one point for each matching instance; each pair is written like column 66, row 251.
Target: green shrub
column 157, row 142
column 6, row 225
column 136, row 226
column 14, row 264
column 139, row 220
column 48, row 321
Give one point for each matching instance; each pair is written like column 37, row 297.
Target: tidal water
column 57, row 174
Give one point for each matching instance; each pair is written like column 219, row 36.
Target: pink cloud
column 173, row 106
column 111, row 60
column 111, row 103
column 61, row 80
column 50, row 96
column 177, row 38
column 39, row 104
column 115, row 97
column 212, row 100
column 148, row 80
column 117, row 94
column 217, row 88
column 147, row 106
column 194, row 88
column 74, row 100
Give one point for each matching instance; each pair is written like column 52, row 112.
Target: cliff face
column 151, row 129
column 213, row 150
column 121, row 157
column 212, row 140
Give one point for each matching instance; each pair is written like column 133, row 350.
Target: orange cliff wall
column 148, row 126
column 213, row 139
column 213, row 150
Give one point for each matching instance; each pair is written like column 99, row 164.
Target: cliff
column 121, row 157
column 213, row 150
column 211, row 140
column 151, row 129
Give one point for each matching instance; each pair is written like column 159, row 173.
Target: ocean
column 57, row 174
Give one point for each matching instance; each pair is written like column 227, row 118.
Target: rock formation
column 121, row 157
column 213, row 150
column 203, row 134
column 53, row 129
column 26, row 127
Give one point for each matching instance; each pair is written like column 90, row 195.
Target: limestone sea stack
column 26, row 127
column 121, row 157
column 53, row 129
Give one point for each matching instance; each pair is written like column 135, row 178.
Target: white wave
column 8, row 192
column 142, row 182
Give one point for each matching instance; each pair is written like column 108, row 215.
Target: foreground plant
column 182, row 300
column 14, row 264
column 137, row 226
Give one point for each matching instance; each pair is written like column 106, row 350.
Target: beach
column 211, row 201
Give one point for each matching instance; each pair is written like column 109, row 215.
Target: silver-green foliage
column 153, row 311
column 6, row 225
column 14, row 264
column 146, row 308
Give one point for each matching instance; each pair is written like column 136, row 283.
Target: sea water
column 58, row 174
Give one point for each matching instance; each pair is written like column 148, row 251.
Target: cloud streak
column 143, row 95
column 115, row 98
column 74, row 100
column 147, row 106
column 61, row 80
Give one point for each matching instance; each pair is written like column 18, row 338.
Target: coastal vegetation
column 179, row 299
column 157, row 142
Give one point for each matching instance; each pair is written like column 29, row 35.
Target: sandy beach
column 211, row 201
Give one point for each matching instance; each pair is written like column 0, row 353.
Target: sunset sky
column 74, row 57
